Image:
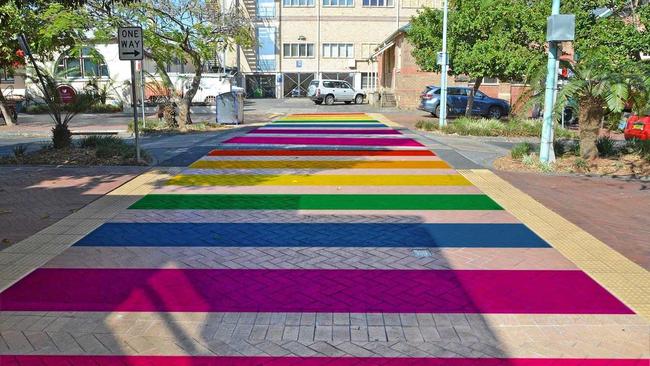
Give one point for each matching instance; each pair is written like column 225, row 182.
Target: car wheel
column 329, row 100
column 358, row 99
column 437, row 112
column 495, row 112
column 319, row 102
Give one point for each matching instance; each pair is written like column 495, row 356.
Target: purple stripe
column 324, row 141
column 359, row 291
column 325, row 132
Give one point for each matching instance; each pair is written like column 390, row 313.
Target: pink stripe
column 326, row 132
column 260, row 290
column 303, row 361
column 324, row 141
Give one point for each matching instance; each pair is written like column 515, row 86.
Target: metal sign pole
column 144, row 120
column 444, row 69
column 135, row 112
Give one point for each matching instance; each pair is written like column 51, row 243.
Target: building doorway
column 260, row 86
column 296, row 84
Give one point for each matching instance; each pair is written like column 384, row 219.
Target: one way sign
column 130, row 41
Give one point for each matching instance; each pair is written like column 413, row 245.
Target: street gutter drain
column 421, row 253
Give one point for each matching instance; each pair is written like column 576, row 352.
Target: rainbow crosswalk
column 322, row 239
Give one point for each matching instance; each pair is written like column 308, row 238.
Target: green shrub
column 491, row 127
column 574, row 149
column 105, row 108
column 19, row 151
column 518, row 151
column 559, row 147
column 151, row 125
column 581, row 164
column 605, row 146
column 641, row 147
column 100, row 140
column 528, row 160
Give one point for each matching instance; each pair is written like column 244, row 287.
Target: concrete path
column 311, row 248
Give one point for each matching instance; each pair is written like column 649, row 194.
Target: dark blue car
column 457, row 102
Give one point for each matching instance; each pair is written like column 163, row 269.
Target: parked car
column 457, row 102
column 637, row 127
column 330, row 91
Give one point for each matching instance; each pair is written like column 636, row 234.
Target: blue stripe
column 312, row 235
column 339, row 125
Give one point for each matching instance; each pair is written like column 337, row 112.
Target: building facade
column 303, row 40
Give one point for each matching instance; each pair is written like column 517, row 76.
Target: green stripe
column 326, row 121
column 316, row 202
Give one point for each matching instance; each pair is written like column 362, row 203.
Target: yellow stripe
column 319, row 180
column 317, row 164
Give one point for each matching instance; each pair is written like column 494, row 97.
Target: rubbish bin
column 230, row 107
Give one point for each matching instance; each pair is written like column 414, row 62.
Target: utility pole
column 444, row 66
column 546, row 153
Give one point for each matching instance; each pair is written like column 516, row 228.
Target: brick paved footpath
column 311, row 242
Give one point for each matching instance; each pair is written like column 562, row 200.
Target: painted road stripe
column 21, row 360
column 319, row 172
column 338, row 190
column 318, row 180
column 381, row 291
column 322, row 124
column 320, row 158
column 327, row 120
column 318, row 216
column 218, row 152
column 377, row 142
column 203, row 164
column 315, row 235
column 317, row 202
column 311, row 258
column 323, row 132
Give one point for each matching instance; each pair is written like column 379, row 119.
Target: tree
column 187, row 30
column 501, row 39
column 608, row 72
column 50, row 27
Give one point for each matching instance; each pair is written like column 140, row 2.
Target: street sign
column 130, row 43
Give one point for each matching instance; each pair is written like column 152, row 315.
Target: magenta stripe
column 324, row 141
column 326, row 132
column 302, row 361
column 259, row 290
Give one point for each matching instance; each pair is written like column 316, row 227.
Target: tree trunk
column 4, row 109
column 470, row 97
column 184, row 117
column 591, row 113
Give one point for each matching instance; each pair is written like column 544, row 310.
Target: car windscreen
column 314, row 83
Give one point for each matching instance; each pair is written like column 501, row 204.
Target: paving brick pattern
column 530, row 338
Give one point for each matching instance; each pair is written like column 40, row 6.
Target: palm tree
column 598, row 91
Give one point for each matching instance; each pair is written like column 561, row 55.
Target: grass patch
column 518, row 151
column 490, row 127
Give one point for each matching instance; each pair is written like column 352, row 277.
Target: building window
column 295, row 50
column 367, row 49
column 265, row 8
column 338, row 2
column 297, row 3
column 378, row 3
column 87, row 64
column 368, row 80
column 6, row 75
column 490, row 81
column 176, row 66
column 266, row 48
column 338, row 50
column 416, row 4
column 345, row 76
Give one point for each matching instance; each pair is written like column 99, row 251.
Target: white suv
column 330, row 91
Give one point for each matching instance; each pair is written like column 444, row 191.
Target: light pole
column 444, row 68
column 546, row 153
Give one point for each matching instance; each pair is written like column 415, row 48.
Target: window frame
column 308, row 4
column 80, row 59
column 338, row 5
column 348, row 48
column 298, row 45
column 368, row 3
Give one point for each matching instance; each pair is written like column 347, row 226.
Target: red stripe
column 321, row 153
column 302, row 361
column 327, row 114
column 282, row 290
column 324, row 141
